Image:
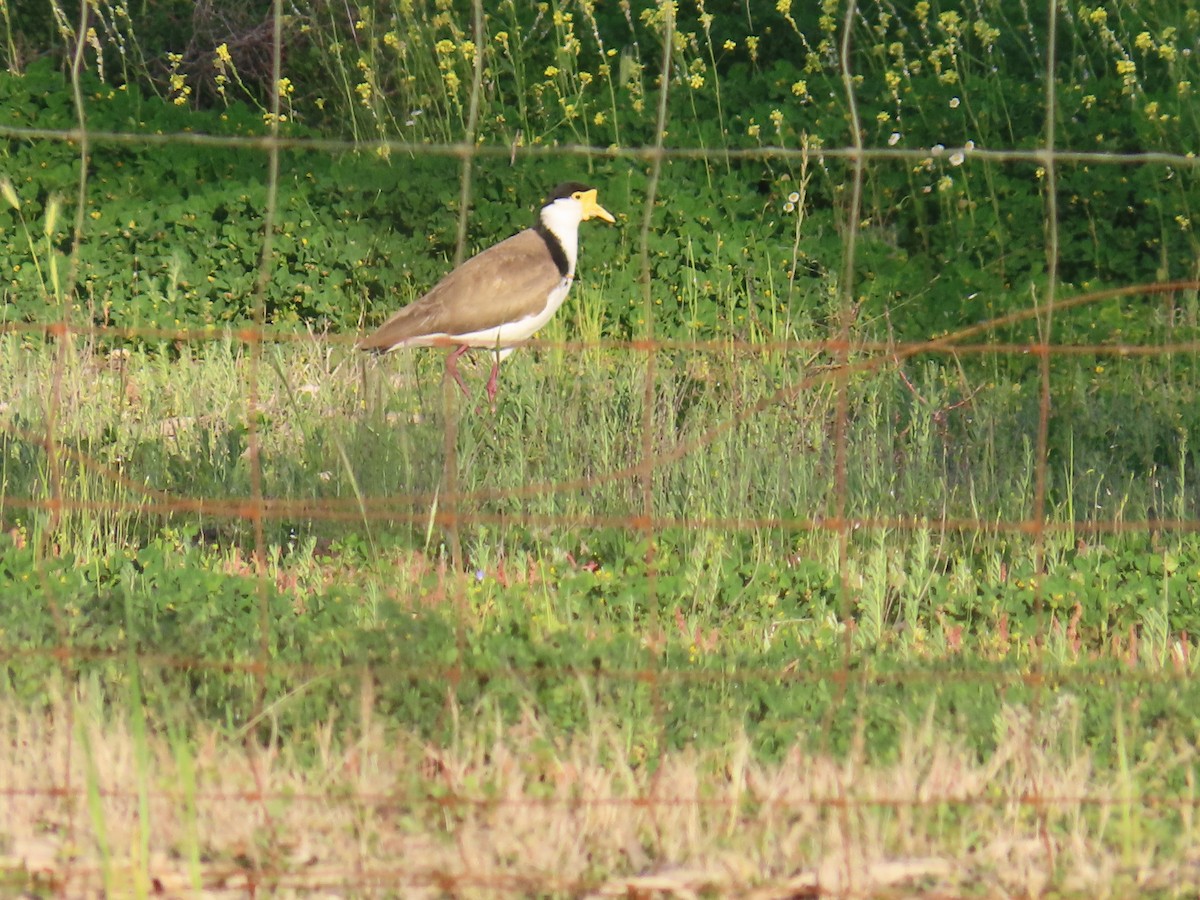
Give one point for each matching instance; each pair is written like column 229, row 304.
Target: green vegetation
column 631, row 576
column 944, row 237
column 741, row 629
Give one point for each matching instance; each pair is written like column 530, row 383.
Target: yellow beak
column 592, row 209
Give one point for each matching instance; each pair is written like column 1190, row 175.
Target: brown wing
column 502, row 284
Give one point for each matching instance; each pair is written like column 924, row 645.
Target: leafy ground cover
column 944, row 237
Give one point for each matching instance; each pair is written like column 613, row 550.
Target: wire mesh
column 104, row 791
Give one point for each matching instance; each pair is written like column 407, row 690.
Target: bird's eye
column 578, row 195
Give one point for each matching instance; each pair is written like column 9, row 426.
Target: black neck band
column 554, row 245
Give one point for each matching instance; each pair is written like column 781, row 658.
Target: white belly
column 502, row 337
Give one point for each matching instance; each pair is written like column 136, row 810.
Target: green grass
column 735, row 570
column 727, row 633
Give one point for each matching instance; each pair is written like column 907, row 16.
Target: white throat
column 561, row 219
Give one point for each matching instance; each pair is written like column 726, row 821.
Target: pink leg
column 452, row 367
column 491, row 385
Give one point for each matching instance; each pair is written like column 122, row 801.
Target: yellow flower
column 696, row 81
column 987, row 34
column 949, row 22
column 753, row 130
column 1144, row 42
column 800, row 88
column 729, row 45
column 222, row 52
column 551, row 71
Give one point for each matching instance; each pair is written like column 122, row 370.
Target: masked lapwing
column 502, row 296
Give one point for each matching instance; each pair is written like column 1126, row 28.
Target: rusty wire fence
column 88, row 801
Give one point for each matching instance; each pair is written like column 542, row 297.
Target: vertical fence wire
column 1039, row 514
column 847, row 682
column 252, row 340
column 649, row 417
column 64, row 340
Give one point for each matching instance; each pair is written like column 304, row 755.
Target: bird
column 500, row 297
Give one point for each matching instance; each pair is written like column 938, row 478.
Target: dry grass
column 522, row 813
